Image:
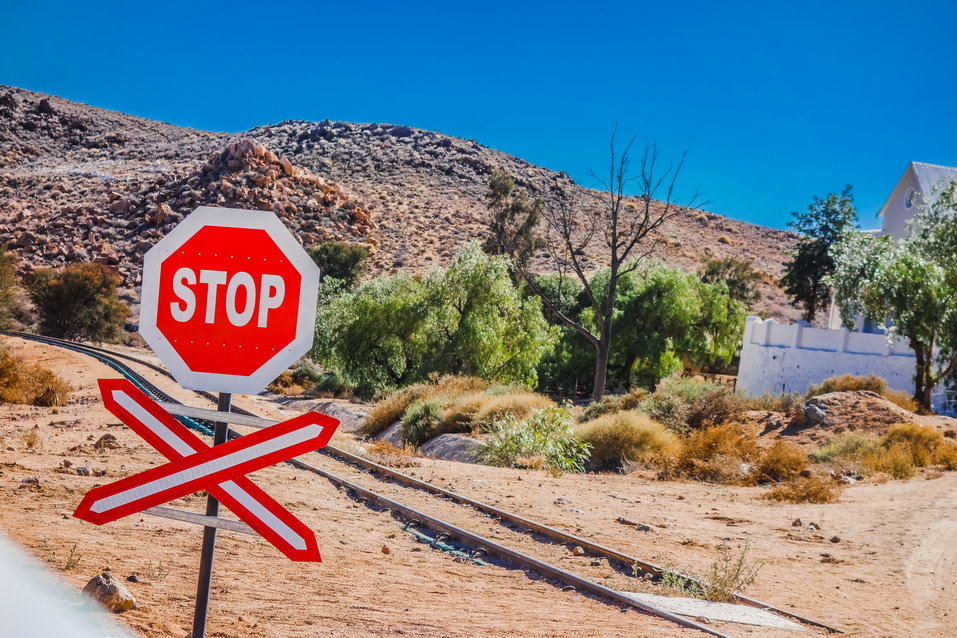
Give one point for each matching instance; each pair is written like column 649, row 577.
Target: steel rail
column 502, row 552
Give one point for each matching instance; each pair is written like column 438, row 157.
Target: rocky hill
column 80, row 183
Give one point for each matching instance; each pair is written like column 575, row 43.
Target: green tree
column 664, row 319
column 469, row 319
column 513, row 219
column 78, row 302
column 342, row 260
column 820, row 227
column 8, row 282
column 913, row 283
column 739, row 275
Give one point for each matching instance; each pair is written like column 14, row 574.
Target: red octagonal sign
column 229, row 300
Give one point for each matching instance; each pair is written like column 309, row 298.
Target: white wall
column 778, row 358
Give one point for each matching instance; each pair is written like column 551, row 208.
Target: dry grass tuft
column 29, row 384
column 872, row 383
column 628, row 437
column 613, row 403
column 384, row 453
column 32, row 440
column 806, row 490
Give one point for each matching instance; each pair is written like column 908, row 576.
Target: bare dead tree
column 620, row 224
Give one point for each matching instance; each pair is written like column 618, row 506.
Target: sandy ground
column 884, row 562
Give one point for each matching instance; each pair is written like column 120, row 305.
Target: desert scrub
column 420, row 421
column 783, row 461
column 785, row 403
column 30, row 384
column 871, row 383
column 478, row 411
column 812, row 489
column 385, row 453
column 628, row 437
column 614, row 403
column 392, row 406
column 847, row 447
column 731, row 573
column 671, row 402
column 718, row 454
column 714, row 407
column 546, row 440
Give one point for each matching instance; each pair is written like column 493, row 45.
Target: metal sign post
column 209, row 535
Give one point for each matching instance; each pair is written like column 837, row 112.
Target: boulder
column 452, row 447
column 392, row 434
column 105, row 589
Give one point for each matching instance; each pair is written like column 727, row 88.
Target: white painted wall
column 778, row 358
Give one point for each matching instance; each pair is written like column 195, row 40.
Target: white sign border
column 308, row 299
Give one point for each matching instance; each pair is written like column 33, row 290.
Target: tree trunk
column 601, row 369
column 923, row 380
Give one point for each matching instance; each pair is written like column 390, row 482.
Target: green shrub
column 628, row 436
column 672, row 402
column 544, row 440
column 845, row 447
column 421, row 420
column 341, row 260
column 78, row 302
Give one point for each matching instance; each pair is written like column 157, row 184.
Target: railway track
column 539, row 546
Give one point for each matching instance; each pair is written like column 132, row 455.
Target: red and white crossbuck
column 221, row 470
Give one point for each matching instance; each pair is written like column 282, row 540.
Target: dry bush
column 30, row 384
column 783, row 461
column 921, row 440
column 872, row 383
column 716, row 454
column 806, row 490
column 783, row 403
column 628, row 436
column 896, row 461
column 714, row 408
column 733, row 572
column 521, row 404
column 946, row 456
column 613, row 403
column 847, row 447
column 384, row 453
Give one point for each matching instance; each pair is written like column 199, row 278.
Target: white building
column 789, row 358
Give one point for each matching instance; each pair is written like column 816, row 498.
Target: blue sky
column 776, row 101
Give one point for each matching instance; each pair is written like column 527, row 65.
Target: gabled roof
column 928, row 177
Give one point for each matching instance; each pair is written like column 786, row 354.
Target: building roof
column 928, row 176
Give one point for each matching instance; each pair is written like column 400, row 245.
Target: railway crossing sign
column 228, row 300
column 221, row 470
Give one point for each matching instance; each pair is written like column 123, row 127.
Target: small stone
column 132, row 578
column 648, row 576
column 578, row 550
column 82, row 470
column 596, row 562
column 106, row 442
column 386, row 549
column 560, row 501
column 813, row 527
column 109, row 592
column 30, row 480
column 797, row 523
column 835, row 539
column 642, row 527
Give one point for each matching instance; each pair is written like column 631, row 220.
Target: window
column 909, row 197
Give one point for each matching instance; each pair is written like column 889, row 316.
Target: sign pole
column 209, row 535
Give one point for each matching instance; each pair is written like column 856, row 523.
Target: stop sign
column 229, row 300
